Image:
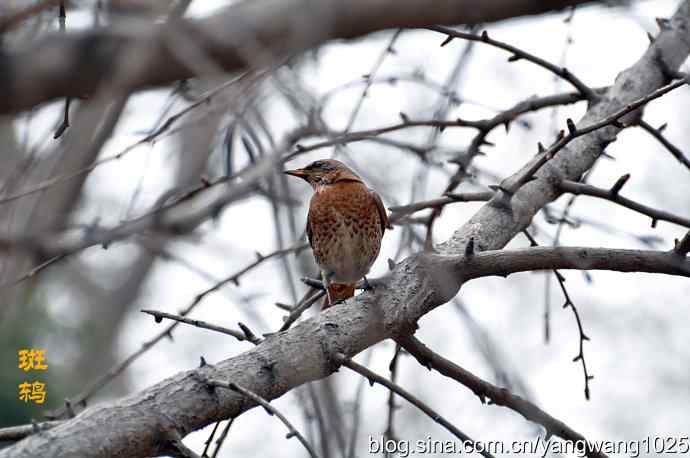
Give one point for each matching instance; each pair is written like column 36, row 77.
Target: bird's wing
column 382, row 211
column 309, row 230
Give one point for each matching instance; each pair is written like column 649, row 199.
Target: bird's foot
column 366, row 286
column 328, row 304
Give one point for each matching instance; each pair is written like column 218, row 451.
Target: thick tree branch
column 505, row 262
column 416, row 286
column 74, row 65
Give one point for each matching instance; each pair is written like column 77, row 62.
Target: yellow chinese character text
column 35, row 392
column 32, row 359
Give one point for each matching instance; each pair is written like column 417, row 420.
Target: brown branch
column 409, row 397
column 612, row 195
column 496, row 395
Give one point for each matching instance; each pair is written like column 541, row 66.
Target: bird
column 345, row 225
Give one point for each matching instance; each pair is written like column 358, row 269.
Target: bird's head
column 324, row 172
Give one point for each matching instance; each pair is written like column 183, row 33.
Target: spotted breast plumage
column 345, row 225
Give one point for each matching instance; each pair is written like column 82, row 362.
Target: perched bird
column 345, row 225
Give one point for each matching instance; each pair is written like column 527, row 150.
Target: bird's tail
column 338, row 292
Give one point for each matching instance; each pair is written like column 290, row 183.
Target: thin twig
column 402, row 210
column 496, row 395
column 511, row 185
column 149, row 138
column 612, row 195
column 375, row 378
column 307, row 301
column 389, row 433
column 223, row 436
column 658, row 134
column 158, row 316
column 518, row 54
column 270, row 409
column 207, row 444
column 569, row 303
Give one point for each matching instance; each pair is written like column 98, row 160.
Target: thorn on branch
column 69, row 409
column 312, row 282
column 248, row 334
column 618, row 185
column 448, row 39
column 571, row 126
column 682, row 247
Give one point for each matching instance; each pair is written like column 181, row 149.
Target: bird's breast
column 345, row 230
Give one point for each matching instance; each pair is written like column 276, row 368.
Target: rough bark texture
column 140, row 424
column 245, row 33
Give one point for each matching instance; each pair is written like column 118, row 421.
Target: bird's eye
column 316, row 165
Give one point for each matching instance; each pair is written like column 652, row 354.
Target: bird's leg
column 326, row 283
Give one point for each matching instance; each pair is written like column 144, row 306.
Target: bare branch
column 16, row 433
column 158, row 316
column 613, row 196
column 518, row 54
column 658, row 134
column 409, row 397
column 505, row 262
column 269, row 409
column 496, row 395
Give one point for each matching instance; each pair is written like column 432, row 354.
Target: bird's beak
column 300, row 173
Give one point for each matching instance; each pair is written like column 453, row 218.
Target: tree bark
column 141, row 424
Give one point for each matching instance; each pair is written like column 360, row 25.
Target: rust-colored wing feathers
column 385, row 224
